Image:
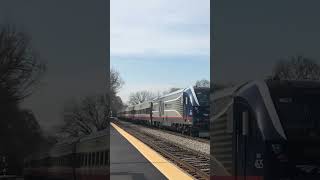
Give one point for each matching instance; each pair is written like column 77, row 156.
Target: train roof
column 309, row 84
column 174, row 92
column 69, row 140
column 166, row 95
column 65, row 146
column 274, row 84
column 37, row 156
column 95, row 135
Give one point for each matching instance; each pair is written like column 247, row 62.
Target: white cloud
column 160, row 27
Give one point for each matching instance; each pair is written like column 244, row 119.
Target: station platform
column 130, row 159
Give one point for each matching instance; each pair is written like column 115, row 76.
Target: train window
column 66, row 160
column 101, row 158
column 83, row 162
column 97, row 158
column 93, row 159
column 79, row 159
column 105, row 157
column 86, row 159
column 89, row 159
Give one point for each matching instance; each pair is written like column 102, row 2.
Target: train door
column 151, row 113
column 185, row 106
column 160, row 111
column 241, row 129
column 249, row 145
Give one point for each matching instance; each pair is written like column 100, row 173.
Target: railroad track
column 204, row 140
column 195, row 163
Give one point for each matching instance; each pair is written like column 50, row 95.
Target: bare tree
column 296, row 68
column 87, row 116
column 116, row 82
column 20, row 70
column 170, row 90
column 20, row 67
column 173, row 89
column 203, row 83
column 116, row 104
column 140, row 97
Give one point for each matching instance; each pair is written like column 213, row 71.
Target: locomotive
column 266, row 129
column 81, row 158
column 185, row 110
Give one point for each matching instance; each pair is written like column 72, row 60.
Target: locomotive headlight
column 277, row 148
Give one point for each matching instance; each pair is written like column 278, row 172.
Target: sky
column 71, row 37
column 250, row 36
column 159, row 44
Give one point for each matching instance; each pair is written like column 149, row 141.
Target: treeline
column 20, row 72
column 91, row 113
column 145, row 95
column 290, row 68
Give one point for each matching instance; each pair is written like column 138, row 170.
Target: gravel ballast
column 182, row 141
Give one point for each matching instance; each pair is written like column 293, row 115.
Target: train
column 266, row 129
column 186, row 110
column 82, row 158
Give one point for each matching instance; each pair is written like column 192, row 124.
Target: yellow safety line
column 167, row 168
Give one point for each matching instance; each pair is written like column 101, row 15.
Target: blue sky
column 159, row 44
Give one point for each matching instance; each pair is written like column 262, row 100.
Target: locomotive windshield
column 298, row 109
column 203, row 95
column 299, row 114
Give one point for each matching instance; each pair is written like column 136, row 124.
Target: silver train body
column 74, row 158
column 185, row 110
